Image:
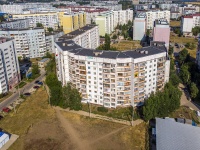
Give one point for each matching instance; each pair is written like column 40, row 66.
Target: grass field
column 3, row 98
column 184, row 112
column 175, row 23
column 39, row 127
column 182, row 40
column 127, row 45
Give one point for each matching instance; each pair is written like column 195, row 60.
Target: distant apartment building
column 198, row 53
column 9, row 66
column 189, row 22
column 166, row 6
column 105, row 21
column 12, row 9
column 86, row 37
column 189, row 10
column 139, row 27
column 72, row 21
column 122, row 17
column 151, row 16
column 49, row 19
column 15, row 24
column 111, row 5
column 112, row 78
column 174, row 14
column 30, row 43
column 161, row 31
column 50, row 38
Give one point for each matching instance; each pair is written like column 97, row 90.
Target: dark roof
column 77, row 32
column 69, row 45
column 16, row 29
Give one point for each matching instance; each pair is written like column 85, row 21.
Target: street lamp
column 88, row 101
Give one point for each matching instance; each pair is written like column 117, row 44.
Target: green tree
column 107, row 42
column 193, row 90
column 39, row 25
column 184, row 74
column 171, row 50
column 50, row 30
column 196, row 30
column 183, row 55
column 114, row 36
column 174, row 79
column 35, row 69
column 148, row 32
column 187, row 45
column 48, row 55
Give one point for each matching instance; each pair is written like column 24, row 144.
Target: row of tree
column 65, row 97
column 106, row 45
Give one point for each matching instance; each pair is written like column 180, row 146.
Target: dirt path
column 107, row 135
column 68, row 128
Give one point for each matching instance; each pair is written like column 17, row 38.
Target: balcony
column 83, row 72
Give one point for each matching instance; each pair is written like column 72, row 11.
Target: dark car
column 1, row 117
column 37, row 81
column 176, row 44
column 36, row 87
column 40, row 83
column 6, row 109
column 27, row 94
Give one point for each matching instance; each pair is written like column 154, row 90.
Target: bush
column 102, row 109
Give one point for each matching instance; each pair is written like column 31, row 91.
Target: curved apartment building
column 112, row 78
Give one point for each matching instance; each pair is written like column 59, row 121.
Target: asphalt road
column 14, row 96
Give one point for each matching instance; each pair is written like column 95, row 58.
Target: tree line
column 63, row 96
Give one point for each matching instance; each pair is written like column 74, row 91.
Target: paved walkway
column 83, row 113
column 185, row 102
column 13, row 138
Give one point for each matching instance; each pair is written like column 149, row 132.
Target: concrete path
column 185, row 102
column 13, row 138
column 83, row 113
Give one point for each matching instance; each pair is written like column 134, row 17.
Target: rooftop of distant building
column 12, row 21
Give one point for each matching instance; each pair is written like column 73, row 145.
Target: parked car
column 40, row 83
column 6, row 109
column 1, row 117
column 36, row 87
column 37, row 81
column 27, row 94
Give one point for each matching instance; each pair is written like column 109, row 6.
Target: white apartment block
column 112, row 78
column 30, row 43
column 151, row 16
column 15, row 24
column 12, row 9
column 189, row 22
column 86, row 37
column 50, row 38
column 9, row 66
column 49, row 19
column 122, row 17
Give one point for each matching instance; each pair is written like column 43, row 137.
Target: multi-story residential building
column 105, row 22
column 15, row 24
column 111, row 5
column 12, row 9
column 112, row 78
column 168, row 6
column 49, row 19
column 198, row 53
column 72, row 21
column 189, row 22
column 86, row 37
column 30, row 43
column 9, row 66
column 123, row 16
column 139, row 27
column 161, row 32
column 50, row 38
column 174, row 14
column 151, row 16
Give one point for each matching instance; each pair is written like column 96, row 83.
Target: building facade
column 12, row 9
column 72, row 21
column 49, row 19
column 30, row 43
column 139, row 27
column 151, row 16
column 50, row 39
column 123, row 16
column 189, row 22
column 112, row 78
column 9, row 66
column 86, row 37
column 161, row 32
column 105, row 21
column 15, row 24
